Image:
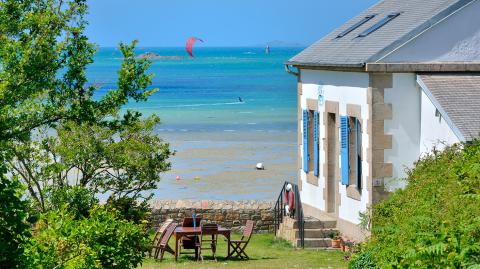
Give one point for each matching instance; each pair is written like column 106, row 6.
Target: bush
column 14, row 227
column 363, row 260
column 104, row 240
column 117, row 243
column 129, row 208
column 75, row 199
column 435, row 221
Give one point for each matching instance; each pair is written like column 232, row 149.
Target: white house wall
column 434, row 130
column 404, row 127
column 344, row 88
column 457, row 38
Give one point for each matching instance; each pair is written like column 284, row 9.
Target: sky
column 221, row 23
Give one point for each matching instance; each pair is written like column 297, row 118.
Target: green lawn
column 265, row 252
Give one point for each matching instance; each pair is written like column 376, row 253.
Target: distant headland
column 155, row 56
column 280, row 44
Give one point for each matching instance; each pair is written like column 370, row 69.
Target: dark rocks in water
column 154, row 56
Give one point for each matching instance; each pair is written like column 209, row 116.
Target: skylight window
column 379, row 24
column 355, row 26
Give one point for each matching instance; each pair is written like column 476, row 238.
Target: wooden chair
column 209, row 237
column 158, row 236
column 238, row 246
column 163, row 246
column 190, row 242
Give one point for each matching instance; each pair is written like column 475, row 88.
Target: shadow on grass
column 222, row 259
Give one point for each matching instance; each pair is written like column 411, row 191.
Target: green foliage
column 44, row 53
column 122, row 161
column 77, row 200
column 435, row 221
column 130, row 208
column 14, row 227
column 104, row 240
column 364, row 260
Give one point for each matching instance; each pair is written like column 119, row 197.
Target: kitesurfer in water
column 240, row 99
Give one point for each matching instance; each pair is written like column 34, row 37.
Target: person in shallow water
column 289, row 201
column 240, row 99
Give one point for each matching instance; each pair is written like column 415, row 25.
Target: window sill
column 354, row 193
column 312, row 179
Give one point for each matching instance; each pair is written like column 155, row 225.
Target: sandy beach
column 221, row 165
column 222, row 112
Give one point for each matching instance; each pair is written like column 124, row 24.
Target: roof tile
column 459, row 96
column 350, row 50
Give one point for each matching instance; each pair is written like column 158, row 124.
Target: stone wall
column 230, row 214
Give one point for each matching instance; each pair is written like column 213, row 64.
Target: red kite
column 190, row 43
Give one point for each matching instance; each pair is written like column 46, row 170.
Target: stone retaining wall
column 230, row 214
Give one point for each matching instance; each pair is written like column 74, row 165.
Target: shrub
column 435, row 221
column 129, row 208
column 14, row 227
column 117, row 243
column 103, row 240
column 364, row 260
column 75, row 199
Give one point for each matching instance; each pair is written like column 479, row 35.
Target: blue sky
column 219, row 22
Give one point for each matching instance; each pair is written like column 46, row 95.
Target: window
column 355, row 26
column 310, row 142
column 438, row 115
column 379, row 24
column 351, row 151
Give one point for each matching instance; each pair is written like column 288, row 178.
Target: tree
column 44, row 53
column 122, row 162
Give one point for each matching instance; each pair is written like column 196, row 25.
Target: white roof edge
column 434, row 101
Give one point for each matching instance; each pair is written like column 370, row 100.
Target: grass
column 265, row 251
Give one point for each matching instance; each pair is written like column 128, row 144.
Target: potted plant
column 347, row 246
column 336, row 239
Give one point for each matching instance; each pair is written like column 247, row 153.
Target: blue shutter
column 357, row 165
column 315, row 145
column 344, row 148
column 305, row 141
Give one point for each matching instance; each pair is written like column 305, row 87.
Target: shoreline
column 214, row 166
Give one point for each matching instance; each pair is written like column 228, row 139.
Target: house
column 377, row 93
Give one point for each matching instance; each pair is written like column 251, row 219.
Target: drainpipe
column 290, row 71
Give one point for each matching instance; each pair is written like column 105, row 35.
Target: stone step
column 316, row 233
column 314, row 224
column 315, row 243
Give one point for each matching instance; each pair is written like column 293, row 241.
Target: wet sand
column 221, row 165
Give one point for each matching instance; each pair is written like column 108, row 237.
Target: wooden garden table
column 189, row 231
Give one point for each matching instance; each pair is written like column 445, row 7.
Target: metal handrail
column 279, row 211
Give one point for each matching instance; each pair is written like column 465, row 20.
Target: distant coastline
column 154, row 56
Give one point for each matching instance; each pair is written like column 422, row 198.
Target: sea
column 225, row 102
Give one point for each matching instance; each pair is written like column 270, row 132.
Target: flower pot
column 336, row 243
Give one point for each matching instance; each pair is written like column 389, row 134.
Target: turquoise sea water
column 202, row 93
column 218, row 138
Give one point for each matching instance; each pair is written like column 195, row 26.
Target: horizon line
column 199, row 47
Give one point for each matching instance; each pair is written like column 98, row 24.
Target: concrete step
column 312, row 223
column 316, row 233
column 315, row 242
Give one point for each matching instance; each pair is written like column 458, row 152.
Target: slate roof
column 353, row 51
column 457, row 96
